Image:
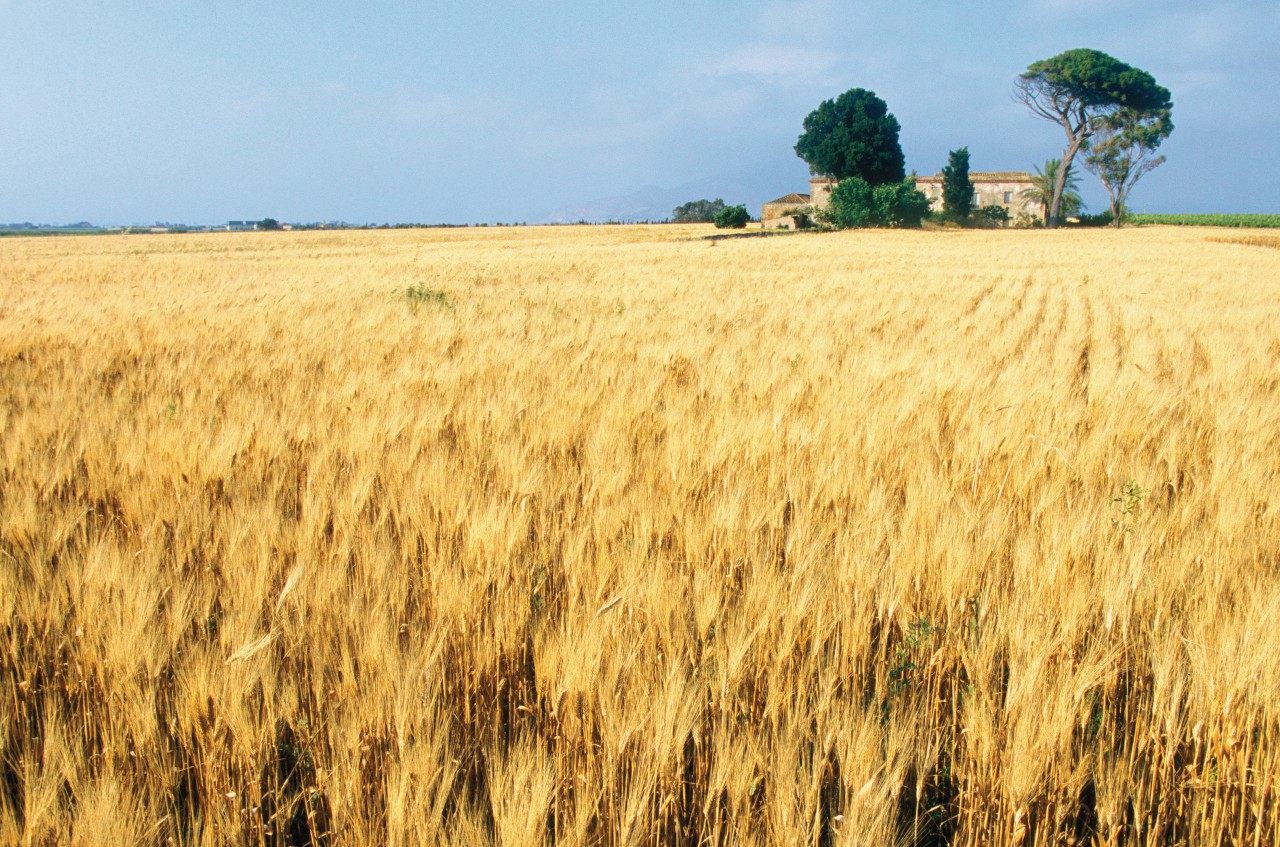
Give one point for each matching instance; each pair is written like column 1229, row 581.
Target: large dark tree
column 957, row 188
column 853, row 136
column 1123, row 149
column 1079, row 90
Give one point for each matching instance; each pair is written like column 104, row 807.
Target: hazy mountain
column 749, row 187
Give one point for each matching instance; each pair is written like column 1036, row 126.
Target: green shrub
column 420, row 294
column 902, row 204
column 851, row 205
column 732, row 217
column 1245, row 220
column 990, row 216
column 802, row 214
column 1100, row 219
column 855, row 204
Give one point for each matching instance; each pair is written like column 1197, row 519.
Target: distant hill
column 654, row 203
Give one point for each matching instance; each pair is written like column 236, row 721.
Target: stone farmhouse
column 990, row 188
column 998, row 188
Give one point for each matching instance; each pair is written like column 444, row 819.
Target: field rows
column 618, row 536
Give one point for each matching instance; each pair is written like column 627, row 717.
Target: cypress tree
column 957, row 190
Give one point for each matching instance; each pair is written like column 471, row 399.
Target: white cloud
column 1195, row 82
column 415, row 108
column 774, row 62
column 1056, row 8
column 799, row 19
column 243, row 107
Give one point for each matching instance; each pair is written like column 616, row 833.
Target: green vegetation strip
column 1262, row 221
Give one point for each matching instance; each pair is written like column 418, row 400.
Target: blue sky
column 138, row 111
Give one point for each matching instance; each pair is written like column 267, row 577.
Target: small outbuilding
column 774, row 210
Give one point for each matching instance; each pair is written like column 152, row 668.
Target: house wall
column 1005, row 193
column 820, row 191
column 996, row 189
column 773, row 211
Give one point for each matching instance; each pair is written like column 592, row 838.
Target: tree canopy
column 1079, row 90
column 853, row 135
column 697, row 211
column 1123, row 149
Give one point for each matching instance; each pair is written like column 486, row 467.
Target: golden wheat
column 617, row 536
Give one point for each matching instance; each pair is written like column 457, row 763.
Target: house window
column 1008, row 197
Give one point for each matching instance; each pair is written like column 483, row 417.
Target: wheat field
column 621, row 536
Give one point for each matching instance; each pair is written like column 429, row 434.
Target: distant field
column 28, row 233
column 1254, row 221
column 617, row 536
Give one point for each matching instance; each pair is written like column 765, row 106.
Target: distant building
column 990, row 188
column 789, row 222
column 241, row 226
column 999, row 188
column 775, row 209
column 820, row 188
column 772, row 214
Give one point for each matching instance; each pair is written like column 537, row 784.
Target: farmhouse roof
column 985, row 176
column 798, row 199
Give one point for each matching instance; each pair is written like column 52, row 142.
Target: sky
column 144, row 111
